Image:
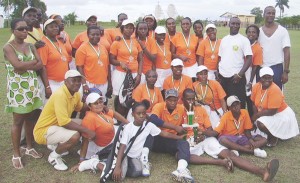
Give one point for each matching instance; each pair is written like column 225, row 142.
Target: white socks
column 182, row 164
column 145, row 154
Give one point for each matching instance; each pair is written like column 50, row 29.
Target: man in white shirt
column 235, row 57
column 275, row 41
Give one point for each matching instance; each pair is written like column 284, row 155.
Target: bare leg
column 260, row 141
column 64, row 147
column 198, row 160
column 15, row 136
column 234, row 146
column 271, row 139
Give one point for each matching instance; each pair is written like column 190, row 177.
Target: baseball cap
column 210, row 26
column 28, row 9
column 72, row 74
column 265, row 71
column 126, row 22
column 201, row 68
column 232, row 99
column 149, row 16
column 49, row 21
column 160, row 30
column 93, row 97
column 171, row 93
column 92, row 16
column 176, row 62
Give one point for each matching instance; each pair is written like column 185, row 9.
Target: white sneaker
column 236, row 152
column 146, row 169
column 53, row 147
column 260, row 153
column 90, row 164
column 57, row 163
column 183, row 176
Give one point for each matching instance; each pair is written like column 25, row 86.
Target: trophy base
column 190, row 126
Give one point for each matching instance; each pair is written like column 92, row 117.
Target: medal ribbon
column 174, row 84
column 97, row 52
column 57, row 48
column 149, row 94
column 163, row 51
column 213, row 47
column 187, row 43
column 129, row 48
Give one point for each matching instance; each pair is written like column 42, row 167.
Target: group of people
column 231, row 89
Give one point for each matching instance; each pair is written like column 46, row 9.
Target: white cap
column 265, row 71
column 210, row 26
column 176, row 62
column 93, row 97
column 160, row 30
column 232, row 99
column 28, row 9
column 201, row 68
column 49, row 21
column 149, row 16
column 126, row 22
column 72, row 73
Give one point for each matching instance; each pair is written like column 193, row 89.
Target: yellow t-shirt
column 35, row 33
column 57, row 112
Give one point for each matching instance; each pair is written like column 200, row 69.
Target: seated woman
column 271, row 113
column 210, row 94
column 100, row 120
column 234, row 130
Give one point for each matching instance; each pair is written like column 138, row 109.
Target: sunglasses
column 21, row 29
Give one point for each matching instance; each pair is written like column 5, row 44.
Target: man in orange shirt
column 177, row 80
column 116, row 32
column 234, row 130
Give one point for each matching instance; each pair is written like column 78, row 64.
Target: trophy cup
column 191, row 124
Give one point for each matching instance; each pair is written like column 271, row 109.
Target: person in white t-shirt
column 275, row 41
column 235, row 57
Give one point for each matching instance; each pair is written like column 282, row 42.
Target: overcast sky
column 107, row 10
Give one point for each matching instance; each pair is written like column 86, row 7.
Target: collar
column 67, row 92
column 174, row 111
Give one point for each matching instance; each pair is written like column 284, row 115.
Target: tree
column 19, row 5
column 71, row 17
column 258, row 14
column 281, row 4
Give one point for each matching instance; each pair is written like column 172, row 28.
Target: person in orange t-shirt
column 208, row 51
column 148, row 46
column 54, row 55
column 183, row 46
column 198, row 28
column 171, row 27
column 92, row 62
column 152, row 24
column 164, row 56
column 234, row 130
column 116, row 32
column 99, row 120
column 271, row 113
column 210, row 94
column 177, row 80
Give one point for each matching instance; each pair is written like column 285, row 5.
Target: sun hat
column 232, row 99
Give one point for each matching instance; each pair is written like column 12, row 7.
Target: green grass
column 41, row 171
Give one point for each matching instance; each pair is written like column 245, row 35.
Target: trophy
column 191, row 124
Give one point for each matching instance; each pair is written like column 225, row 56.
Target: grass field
column 41, row 171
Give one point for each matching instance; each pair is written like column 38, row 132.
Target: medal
column 212, row 56
column 164, row 52
column 131, row 58
column 149, row 94
column 100, row 62
column 213, row 48
column 187, row 43
column 178, row 85
column 166, row 62
column 98, row 54
column 129, row 48
column 188, row 52
column 63, row 57
column 260, row 108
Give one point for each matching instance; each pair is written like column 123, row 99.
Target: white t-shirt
column 233, row 50
column 273, row 46
column 130, row 130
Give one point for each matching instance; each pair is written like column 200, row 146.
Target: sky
column 107, row 10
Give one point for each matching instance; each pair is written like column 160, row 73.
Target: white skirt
column 161, row 76
column 210, row 145
column 282, row 125
column 190, row 71
column 213, row 116
column 118, row 78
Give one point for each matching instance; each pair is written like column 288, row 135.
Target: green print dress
column 23, row 93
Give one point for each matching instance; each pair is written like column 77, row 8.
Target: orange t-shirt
column 164, row 56
column 105, row 42
column 151, row 47
column 169, row 38
column 113, row 33
column 181, row 48
column 257, row 58
column 179, row 85
column 119, row 49
column 140, row 93
column 176, row 118
column 52, row 59
column 272, row 99
column 230, row 126
column 86, row 56
column 67, row 42
column 103, row 126
column 204, row 50
column 217, row 95
column 79, row 39
column 151, row 34
column 201, row 117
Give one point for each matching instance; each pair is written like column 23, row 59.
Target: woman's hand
column 124, row 66
column 85, row 88
column 117, row 174
column 184, row 58
column 48, row 92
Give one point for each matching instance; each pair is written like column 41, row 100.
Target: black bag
column 125, row 92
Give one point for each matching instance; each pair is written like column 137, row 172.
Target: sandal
column 272, row 144
column 32, row 152
column 229, row 165
column 272, row 168
column 19, row 160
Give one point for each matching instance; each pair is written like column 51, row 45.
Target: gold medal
column 63, row 58
column 131, row 58
column 100, row 63
column 213, row 57
column 259, row 108
column 166, row 62
column 188, row 52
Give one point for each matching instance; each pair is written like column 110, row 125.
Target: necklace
column 174, row 83
column 149, row 94
column 63, row 58
column 103, row 118
column 97, row 53
column 129, row 48
column 213, row 48
column 164, row 53
column 187, row 43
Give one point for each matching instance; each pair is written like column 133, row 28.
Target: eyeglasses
column 21, row 29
